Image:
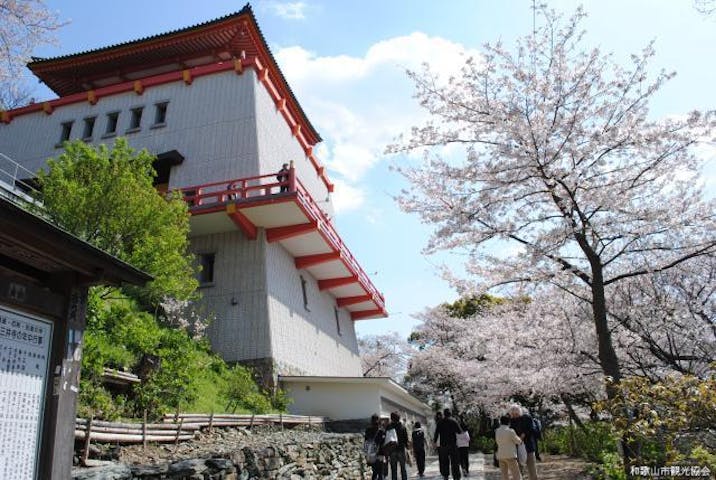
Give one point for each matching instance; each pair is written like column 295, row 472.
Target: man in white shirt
column 507, row 441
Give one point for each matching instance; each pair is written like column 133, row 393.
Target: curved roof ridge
column 39, row 60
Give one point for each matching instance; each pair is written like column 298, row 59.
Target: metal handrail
column 10, row 181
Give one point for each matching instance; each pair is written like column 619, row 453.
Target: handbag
column 391, row 436
column 370, row 449
column 521, row 454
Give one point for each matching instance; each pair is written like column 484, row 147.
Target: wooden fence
column 181, row 427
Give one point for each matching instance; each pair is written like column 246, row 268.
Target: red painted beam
column 310, row 260
column 345, row 301
column 281, row 233
column 336, row 282
column 241, row 221
column 366, row 313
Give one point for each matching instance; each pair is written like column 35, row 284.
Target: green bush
column 185, row 374
column 241, row 391
column 483, row 444
column 610, row 467
column 589, row 443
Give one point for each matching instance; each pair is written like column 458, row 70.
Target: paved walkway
column 552, row 468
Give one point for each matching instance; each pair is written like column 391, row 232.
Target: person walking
column 397, row 455
column 373, row 444
column 463, row 448
column 446, row 433
column 418, row 438
column 521, row 423
column 506, row 454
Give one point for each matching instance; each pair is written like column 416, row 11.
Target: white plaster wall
column 211, row 122
column 306, row 342
column 410, row 410
column 336, row 401
column 241, row 331
column 276, row 146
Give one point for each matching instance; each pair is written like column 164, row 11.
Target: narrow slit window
column 66, row 131
column 303, row 291
column 112, row 120
column 160, row 113
column 206, row 275
column 89, row 128
column 338, row 320
column 136, row 120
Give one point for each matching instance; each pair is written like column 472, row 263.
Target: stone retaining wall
column 337, row 456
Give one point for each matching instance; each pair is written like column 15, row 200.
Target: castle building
column 212, row 104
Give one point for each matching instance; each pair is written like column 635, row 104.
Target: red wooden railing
column 261, row 187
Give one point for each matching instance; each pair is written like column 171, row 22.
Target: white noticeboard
column 25, row 342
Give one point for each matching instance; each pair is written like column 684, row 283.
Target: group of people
column 517, row 443
column 387, row 444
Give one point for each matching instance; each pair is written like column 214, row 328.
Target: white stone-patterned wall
column 226, row 126
column 241, row 330
column 276, row 146
column 306, row 341
column 211, row 122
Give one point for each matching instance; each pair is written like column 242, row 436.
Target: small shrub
column 589, row 443
column 483, row 444
column 610, row 467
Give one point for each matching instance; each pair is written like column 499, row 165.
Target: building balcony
column 291, row 217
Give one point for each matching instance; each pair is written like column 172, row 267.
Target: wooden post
column 309, row 421
column 144, row 431
column 176, row 441
column 280, row 419
column 251, row 423
column 211, row 422
column 88, row 433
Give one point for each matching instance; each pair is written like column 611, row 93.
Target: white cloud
column 360, row 104
column 288, row 10
column 347, row 197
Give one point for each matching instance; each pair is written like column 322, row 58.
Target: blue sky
column 345, row 61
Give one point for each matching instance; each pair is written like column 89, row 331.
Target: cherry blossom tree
column 384, row 355
column 666, row 322
column 566, row 181
column 531, row 348
column 24, row 24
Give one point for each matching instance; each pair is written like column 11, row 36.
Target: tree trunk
column 607, row 354
column 571, row 412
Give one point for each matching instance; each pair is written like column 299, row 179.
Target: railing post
column 291, row 177
column 144, row 431
column 88, row 437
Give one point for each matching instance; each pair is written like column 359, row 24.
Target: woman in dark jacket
column 375, row 434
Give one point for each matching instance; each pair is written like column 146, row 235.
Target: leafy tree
column 105, row 196
column 562, row 165
column 24, row 24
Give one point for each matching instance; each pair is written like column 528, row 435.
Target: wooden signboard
column 25, row 342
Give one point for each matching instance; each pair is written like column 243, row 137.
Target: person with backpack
column 521, row 422
column 397, row 453
column 373, row 446
column 418, row 438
